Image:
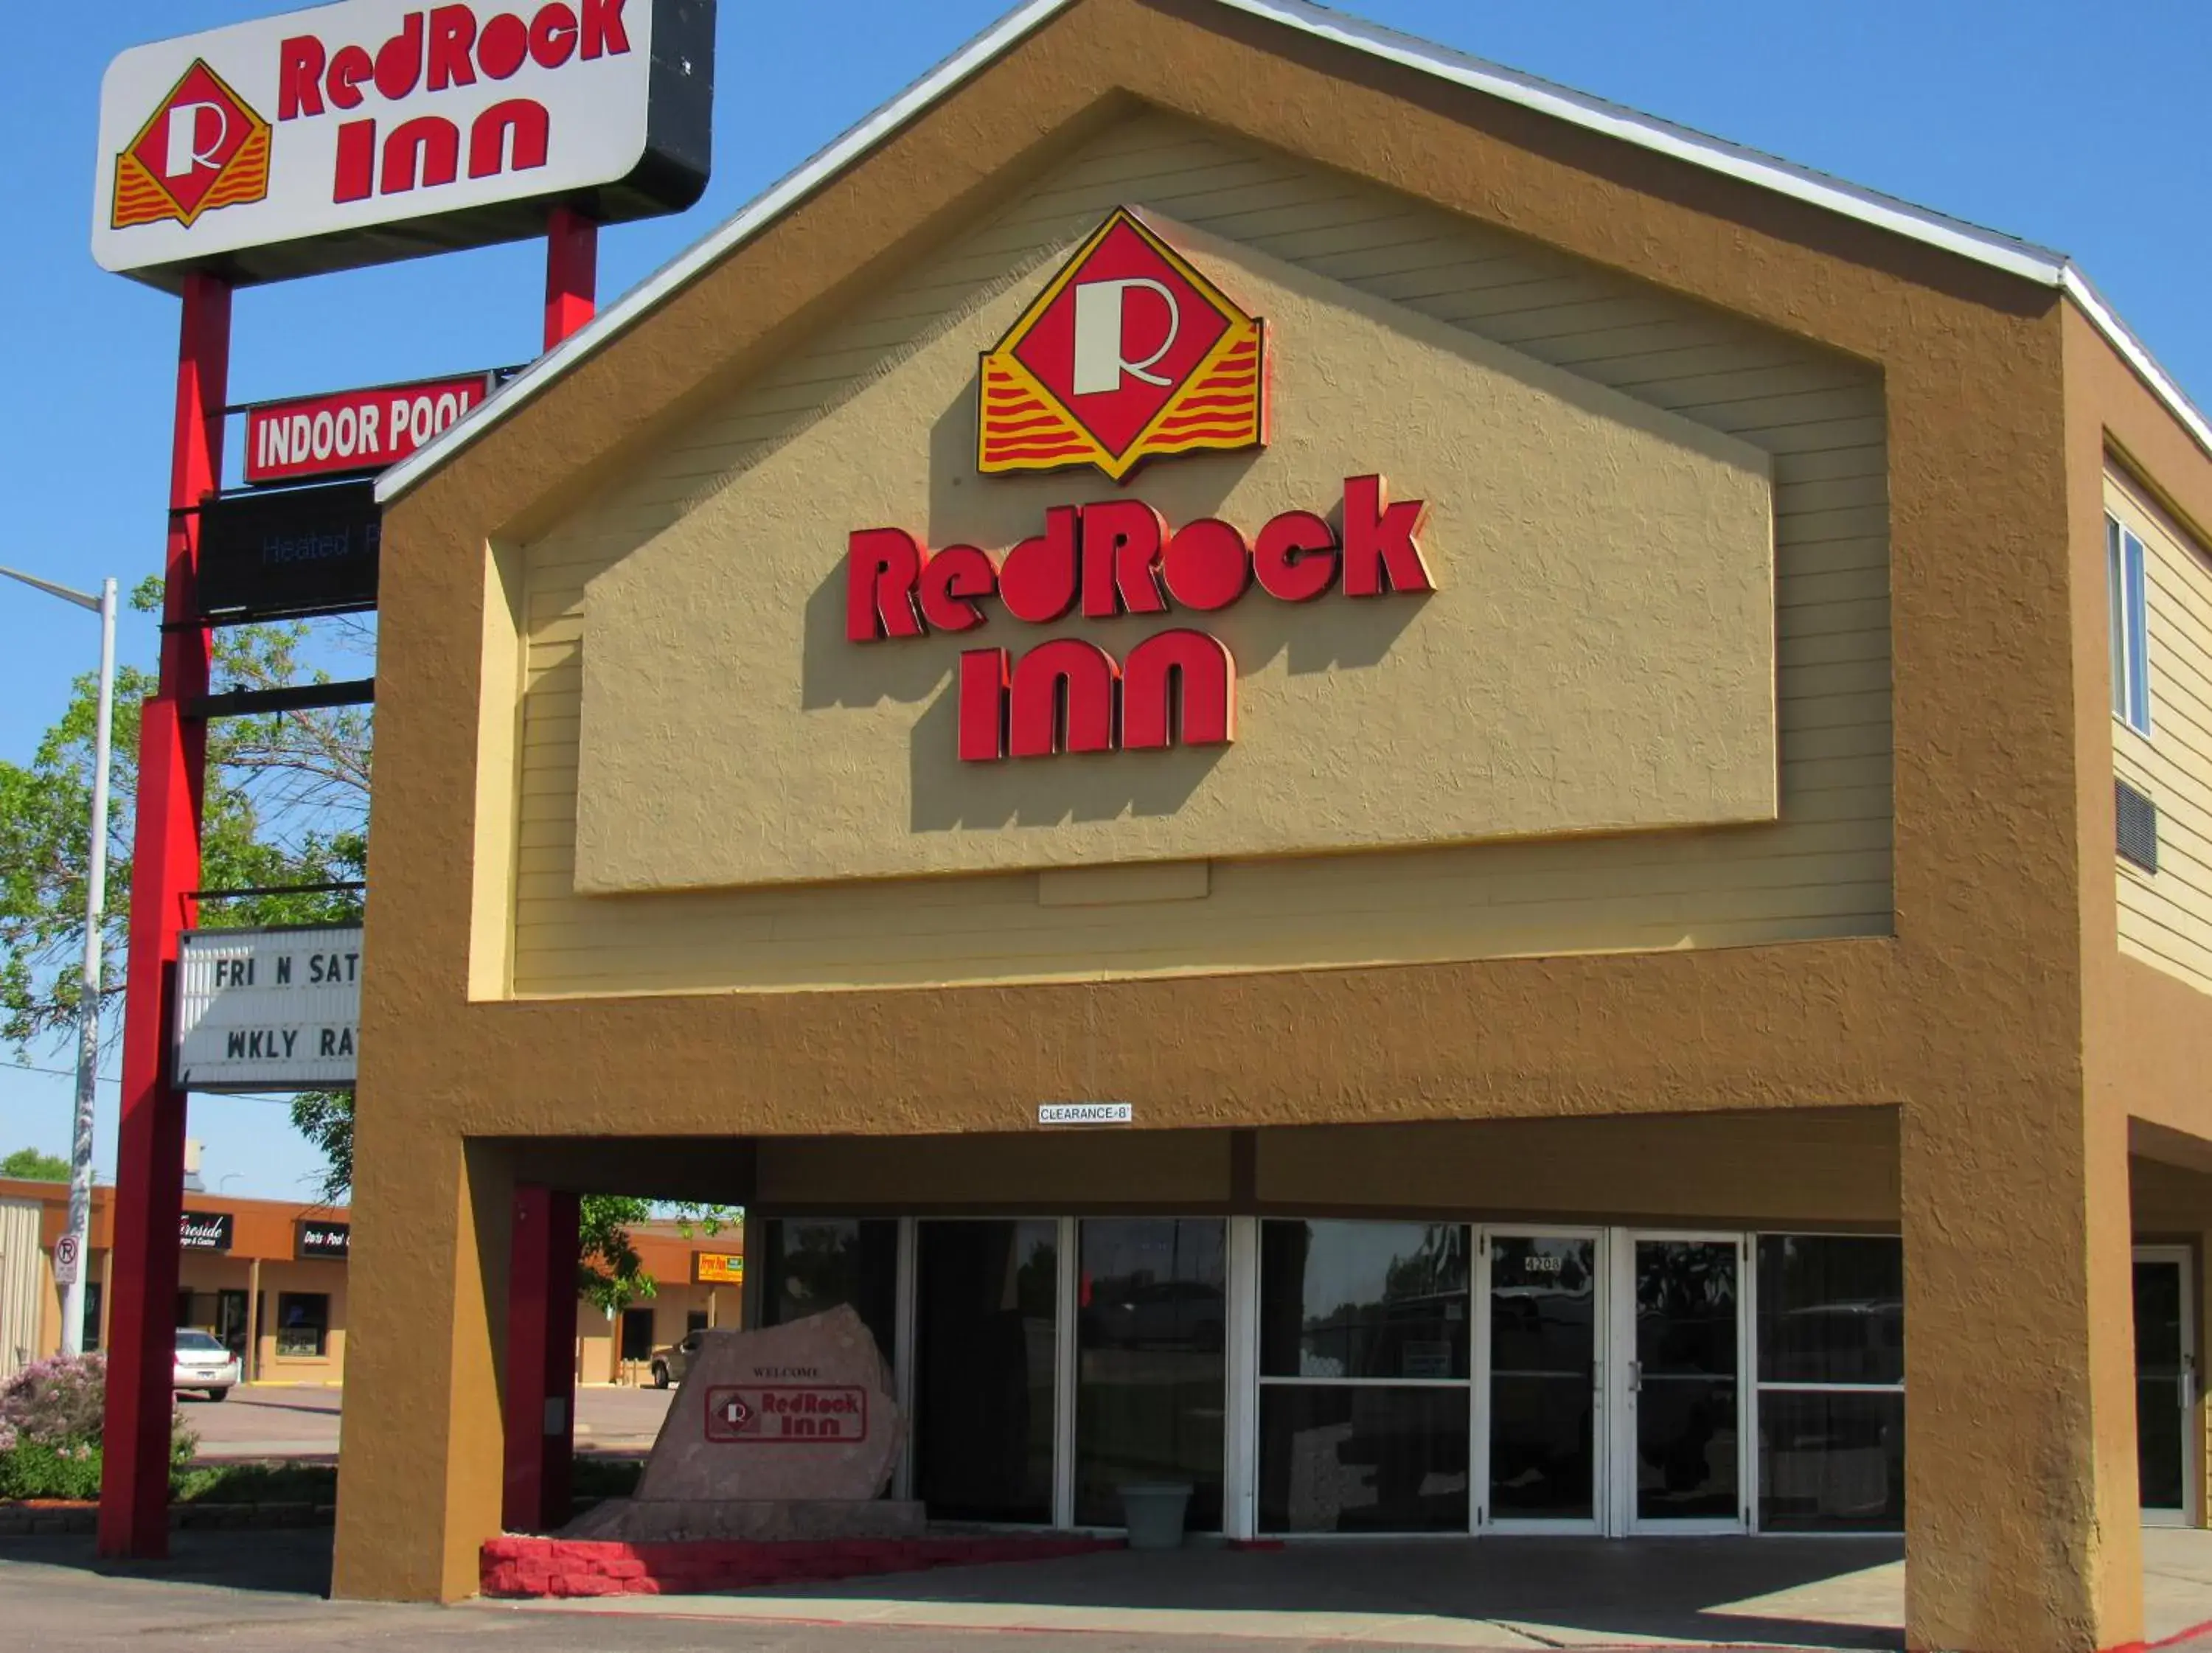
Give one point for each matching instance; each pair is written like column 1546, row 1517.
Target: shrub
column 30, row 1470
column 57, row 1402
column 52, row 1414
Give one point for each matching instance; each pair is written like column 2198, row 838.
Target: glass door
column 986, row 1306
column 2165, row 1386
column 1677, row 1381
column 1542, row 1326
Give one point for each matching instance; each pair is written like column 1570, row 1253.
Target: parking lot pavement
column 261, row 1592
column 215, row 1594
column 301, row 1421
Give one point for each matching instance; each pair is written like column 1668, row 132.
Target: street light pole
column 95, row 903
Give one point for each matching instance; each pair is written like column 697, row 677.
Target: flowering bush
column 57, row 1402
column 52, row 1414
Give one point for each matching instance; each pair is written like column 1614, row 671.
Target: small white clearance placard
column 1086, row 1113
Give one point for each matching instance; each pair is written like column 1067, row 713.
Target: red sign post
column 150, row 1168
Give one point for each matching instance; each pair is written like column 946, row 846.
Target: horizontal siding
column 1823, row 871
column 2166, row 918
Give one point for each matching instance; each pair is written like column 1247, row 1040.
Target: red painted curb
column 516, row 1566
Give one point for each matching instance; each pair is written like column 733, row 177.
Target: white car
column 205, row 1365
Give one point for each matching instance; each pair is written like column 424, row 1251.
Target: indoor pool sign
column 1129, row 353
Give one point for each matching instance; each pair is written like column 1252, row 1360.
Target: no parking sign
column 65, row 1260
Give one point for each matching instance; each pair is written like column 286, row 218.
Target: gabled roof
column 1984, row 246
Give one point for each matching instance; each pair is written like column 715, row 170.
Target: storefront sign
column 1114, row 557
column 1129, row 352
column 268, row 1010
column 348, row 433
column 375, row 130
column 786, row 1414
column 1086, row 1113
column 302, row 550
column 328, row 1240
column 717, row 1268
column 205, row 1231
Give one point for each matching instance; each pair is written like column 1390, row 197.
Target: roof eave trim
column 2016, row 258
column 694, row 261
column 2132, row 350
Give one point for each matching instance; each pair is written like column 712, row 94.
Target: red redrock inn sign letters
column 321, row 139
column 1114, row 389
column 346, row 433
column 776, row 1414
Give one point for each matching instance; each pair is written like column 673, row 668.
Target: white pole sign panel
column 269, row 1010
column 374, row 129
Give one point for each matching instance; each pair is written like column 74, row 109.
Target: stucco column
column 2022, row 1531
column 419, row 1481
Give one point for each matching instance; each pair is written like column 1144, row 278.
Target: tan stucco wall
column 1599, row 655
column 1816, row 416
column 1970, row 1021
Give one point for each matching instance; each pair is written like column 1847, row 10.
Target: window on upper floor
column 2130, row 623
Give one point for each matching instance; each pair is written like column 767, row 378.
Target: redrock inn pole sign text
column 322, row 139
column 1129, row 353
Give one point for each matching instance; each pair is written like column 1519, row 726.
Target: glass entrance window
column 985, row 1295
column 814, row 1264
column 1830, row 1383
column 1365, row 1354
column 1152, row 1318
column 2161, row 1385
column 1684, row 1292
column 1543, row 1375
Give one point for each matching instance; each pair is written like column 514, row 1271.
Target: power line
column 57, row 1073
column 278, row 1098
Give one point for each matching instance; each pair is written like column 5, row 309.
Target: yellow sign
column 719, row 1268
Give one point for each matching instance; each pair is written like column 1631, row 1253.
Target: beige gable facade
column 1659, row 451
column 2166, row 916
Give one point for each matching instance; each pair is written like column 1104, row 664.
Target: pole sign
column 353, row 433
column 269, row 1010
column 374, row 129
column 300, row 551
column 65, row 1260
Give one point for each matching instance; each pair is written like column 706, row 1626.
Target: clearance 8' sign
column 330, row 137
column 1130, row 353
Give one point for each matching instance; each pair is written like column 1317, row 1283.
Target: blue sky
column 2008, row 112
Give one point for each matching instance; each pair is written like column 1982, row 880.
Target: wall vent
column 2137, row 820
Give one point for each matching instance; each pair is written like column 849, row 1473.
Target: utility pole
column 79, row 1234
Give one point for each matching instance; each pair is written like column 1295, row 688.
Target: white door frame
column 2191, row 1474
column 1622, row 1370
column 1478, row 1395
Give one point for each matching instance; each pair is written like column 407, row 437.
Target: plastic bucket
column 1154, row 1513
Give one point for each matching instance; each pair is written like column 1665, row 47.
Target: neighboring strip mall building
column 1621, row 972
column 269, row 1278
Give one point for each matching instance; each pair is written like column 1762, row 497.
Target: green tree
column 287, row 802
column 32, row 1166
